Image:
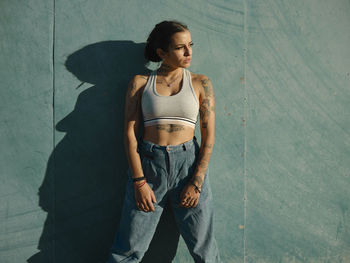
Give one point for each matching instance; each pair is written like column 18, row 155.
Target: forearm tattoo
column 204, row 112
column 203, row 159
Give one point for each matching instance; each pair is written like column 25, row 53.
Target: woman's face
column 179, row 53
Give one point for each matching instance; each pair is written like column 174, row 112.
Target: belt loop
column 184, row 147
column 151, row 149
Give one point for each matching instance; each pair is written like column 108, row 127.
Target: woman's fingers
column 149, row 200
column 150, row 204
column 145, row 198
column 141, row 206
column 189, row 197
column 186, row 202
column 183, row 202
column 191, row 202
column 154, row 200
column 196, row 202
column 145, row 204
column 184, row 196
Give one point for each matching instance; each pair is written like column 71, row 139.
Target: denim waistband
column 150, row 146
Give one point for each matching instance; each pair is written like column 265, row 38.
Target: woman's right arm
column 132, row 123
column 144, row 195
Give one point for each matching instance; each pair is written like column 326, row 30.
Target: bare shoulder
column 201, row 82
column 137, row 83
column 139, row 80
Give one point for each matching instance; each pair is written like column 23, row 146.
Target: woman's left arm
column 207, row 126
column 190, row 194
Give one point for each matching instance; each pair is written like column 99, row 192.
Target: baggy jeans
column 167, row 170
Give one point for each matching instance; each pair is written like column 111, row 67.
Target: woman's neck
column 167, row 70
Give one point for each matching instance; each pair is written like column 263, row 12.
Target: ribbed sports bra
column 181, row 108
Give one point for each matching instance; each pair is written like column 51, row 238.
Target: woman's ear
column 161, row 53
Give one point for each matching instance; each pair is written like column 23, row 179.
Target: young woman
column 167, row 163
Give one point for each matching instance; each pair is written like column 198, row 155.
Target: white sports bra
column 181, row 108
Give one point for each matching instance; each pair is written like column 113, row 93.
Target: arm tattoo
column 207, row 106
column 206, row 110
column 203, row 160
column 208, row 90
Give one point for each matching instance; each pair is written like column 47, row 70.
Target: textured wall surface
column 280, row 172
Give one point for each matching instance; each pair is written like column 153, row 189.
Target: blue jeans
column 167, row 170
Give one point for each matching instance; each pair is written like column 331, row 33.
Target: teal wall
column 280, row 173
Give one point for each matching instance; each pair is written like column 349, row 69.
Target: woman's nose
column 188, row 51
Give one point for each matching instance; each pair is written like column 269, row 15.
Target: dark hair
column 160, row 37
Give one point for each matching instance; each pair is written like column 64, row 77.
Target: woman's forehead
column 183, row 37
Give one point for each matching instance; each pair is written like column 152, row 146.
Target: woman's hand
column 189, row 196
column 144, row 196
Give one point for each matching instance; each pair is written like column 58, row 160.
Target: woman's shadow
column 84, row 185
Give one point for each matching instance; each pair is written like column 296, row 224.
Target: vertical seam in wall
column 245, row 128
column 53, row 129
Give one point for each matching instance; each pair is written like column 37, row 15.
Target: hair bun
column 160, row 37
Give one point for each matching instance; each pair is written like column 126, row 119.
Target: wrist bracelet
column 196, row 187
column 141, row 184
column 138, row 179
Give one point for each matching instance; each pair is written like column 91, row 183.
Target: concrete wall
column 280, row 173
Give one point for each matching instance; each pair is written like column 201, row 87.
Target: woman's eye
column 177, row 48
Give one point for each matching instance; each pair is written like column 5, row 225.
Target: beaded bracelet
column 138, row 179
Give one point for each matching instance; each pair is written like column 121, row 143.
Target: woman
column 167, row 162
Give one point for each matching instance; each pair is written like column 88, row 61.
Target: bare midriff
column 168, row 134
